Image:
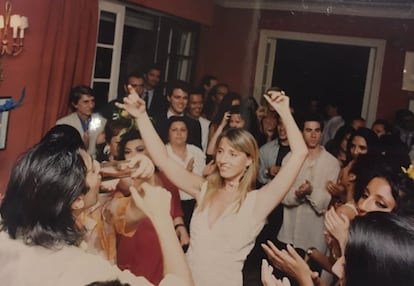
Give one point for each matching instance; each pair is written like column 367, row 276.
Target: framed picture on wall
column 4, row 120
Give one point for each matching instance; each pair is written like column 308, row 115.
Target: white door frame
column 119, row 11
column 266, row 58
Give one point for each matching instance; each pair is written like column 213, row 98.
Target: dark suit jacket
column 194, row 128
column 159, row 103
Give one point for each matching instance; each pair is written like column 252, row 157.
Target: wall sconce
column 18, row 24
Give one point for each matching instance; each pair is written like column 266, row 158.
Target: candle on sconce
column 24, row 24
column 15, row 23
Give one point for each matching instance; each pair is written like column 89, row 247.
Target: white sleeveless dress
column 216, row 255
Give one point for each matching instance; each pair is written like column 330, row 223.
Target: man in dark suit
column 134, row 79
column 177, row 96
column 153, row 94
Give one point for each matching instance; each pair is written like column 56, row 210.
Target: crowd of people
column 201, row 186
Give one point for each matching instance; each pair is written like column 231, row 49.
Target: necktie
column 145, row 97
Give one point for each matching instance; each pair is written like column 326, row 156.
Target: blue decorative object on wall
column 10, row 104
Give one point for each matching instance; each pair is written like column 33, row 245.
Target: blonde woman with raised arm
column 229, row 214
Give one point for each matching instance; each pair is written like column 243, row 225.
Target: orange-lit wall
column 19, row 71
column 229, row 46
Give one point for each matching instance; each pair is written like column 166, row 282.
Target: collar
column 170, row 113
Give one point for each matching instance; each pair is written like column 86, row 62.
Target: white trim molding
column 400, row 9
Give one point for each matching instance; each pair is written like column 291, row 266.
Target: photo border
column 4, row 124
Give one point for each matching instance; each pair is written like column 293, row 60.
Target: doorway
column 268, row 67
column 323, row 72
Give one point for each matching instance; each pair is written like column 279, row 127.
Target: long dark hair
column 370, row 166
column 380, row 250
column 370, row 138
column 44, row 183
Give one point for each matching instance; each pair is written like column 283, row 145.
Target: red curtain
column 67, row 60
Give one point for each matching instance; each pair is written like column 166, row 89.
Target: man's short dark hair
column 77, row 91
column 153, row 66
column 206, row 80
column 308, row 118
column 137, row 74
column 177, row 84
column 196, row 90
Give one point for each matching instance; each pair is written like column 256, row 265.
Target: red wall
column 229, row 46
column 19, row 72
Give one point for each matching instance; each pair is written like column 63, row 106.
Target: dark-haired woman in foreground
column 49, row 188
column 378, row 189
column 379, row 252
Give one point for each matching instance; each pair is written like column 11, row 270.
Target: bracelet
column 178, row 225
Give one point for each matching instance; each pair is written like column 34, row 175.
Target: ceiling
column 402, row 9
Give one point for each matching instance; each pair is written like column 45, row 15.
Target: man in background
column 194, row 111
column 177, row 96
column 153, row 94
column 88, row 124
column 134, row 79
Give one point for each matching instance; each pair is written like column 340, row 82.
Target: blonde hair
column 242, row 141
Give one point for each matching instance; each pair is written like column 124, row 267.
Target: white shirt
column 199, row 162
column 303, row 220
column 170, row 113
column 205, row 124
column 23, row 265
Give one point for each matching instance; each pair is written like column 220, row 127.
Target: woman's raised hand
column 278, row 100
column 133, row 104
column 153, row 201
column 225, row 119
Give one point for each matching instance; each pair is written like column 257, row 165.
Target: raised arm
column 155, row 203
column 211, row 148
column 182, row 178
column 270, row 195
